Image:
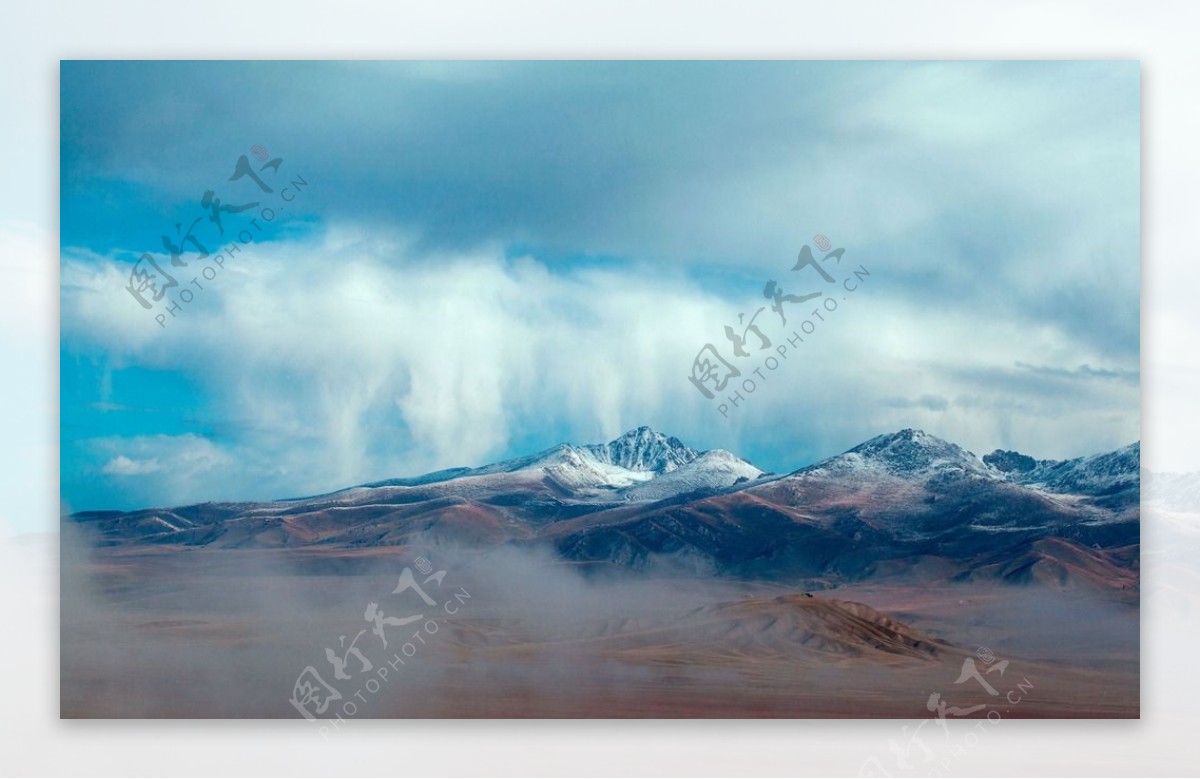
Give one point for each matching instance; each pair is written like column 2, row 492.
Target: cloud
column 342, row 359
column 1083, row 372
column 928, row 402
column 159, row 469
column 330, row 363
column 1009, row 187
column 123, row 466
column 494, row 257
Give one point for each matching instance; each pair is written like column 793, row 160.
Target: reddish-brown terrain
column 633, row 579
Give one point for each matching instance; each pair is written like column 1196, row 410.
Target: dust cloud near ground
column 195, row 632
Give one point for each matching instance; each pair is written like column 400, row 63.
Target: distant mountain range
column 906, row 504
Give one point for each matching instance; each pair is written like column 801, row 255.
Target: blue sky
column 490, row 258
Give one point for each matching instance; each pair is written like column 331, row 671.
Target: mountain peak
column 906, row 439
column 1008, row 461
column 910, row 451
column 644, row 449
column 1114, row 473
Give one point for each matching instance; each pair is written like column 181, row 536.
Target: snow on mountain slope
column 644, row 449
column 914, row 455
column 916, row 488
column 903, row 499
column 580, row 469
column 1105, row 474
column 598, row 471
column 713, row 469
column 908, row 454
column 644, row 465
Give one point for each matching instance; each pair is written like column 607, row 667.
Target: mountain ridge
column 905, row 503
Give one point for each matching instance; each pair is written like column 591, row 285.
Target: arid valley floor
column 225, row 633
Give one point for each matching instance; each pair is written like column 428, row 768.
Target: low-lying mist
column 203, row 632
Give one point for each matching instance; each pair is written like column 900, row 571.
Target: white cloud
column 334, row 363
column 123, row 466
column 171, row 469
column 351, row 358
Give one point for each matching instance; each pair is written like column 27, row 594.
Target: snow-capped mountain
column 902, row 502
column 1091, row 475
column 603, row 471
column 906, row 503
column 644, row 449
column 1113, row 477
column 642, row 464
column 628, row 463
column 909, row 454
column 713, row 469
